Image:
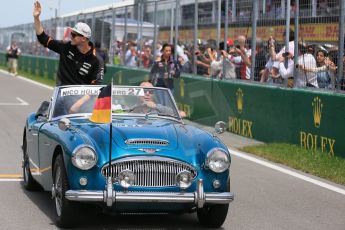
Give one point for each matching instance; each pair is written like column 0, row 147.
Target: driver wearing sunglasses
column 78, row 63
column 147, row 103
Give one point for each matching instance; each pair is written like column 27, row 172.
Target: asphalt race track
column 267, row 196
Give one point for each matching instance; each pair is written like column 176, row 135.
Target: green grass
column 312, row 162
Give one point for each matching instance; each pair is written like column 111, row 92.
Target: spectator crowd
column 274, row 63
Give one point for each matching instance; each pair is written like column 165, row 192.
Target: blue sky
column 15, row 12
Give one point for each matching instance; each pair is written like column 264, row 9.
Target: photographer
column 223, row 68
column 241, row 58
column 325, row 71
column 286, row 74
column 131, row 55
column 271, row 71
column 306, row 61
column 202, row 62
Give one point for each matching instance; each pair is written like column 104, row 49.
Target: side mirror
column 43, row 109
column 64, row 124
column 220, row 127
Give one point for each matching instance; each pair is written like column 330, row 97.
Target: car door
column 46, row 147
column 32, row 146
column 32, row 138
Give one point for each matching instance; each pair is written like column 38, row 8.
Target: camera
column 238, row 46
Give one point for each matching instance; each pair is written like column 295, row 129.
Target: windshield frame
column 166, row 91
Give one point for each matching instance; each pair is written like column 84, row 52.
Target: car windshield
column 135, row 100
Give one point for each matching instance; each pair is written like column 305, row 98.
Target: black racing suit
column 75, row 68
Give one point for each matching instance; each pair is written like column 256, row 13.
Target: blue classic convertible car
column 125, row 149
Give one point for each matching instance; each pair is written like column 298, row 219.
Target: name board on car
column 128, row 92
column 79, row 91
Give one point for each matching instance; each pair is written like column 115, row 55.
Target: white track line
column 286, row 171
column 22, row 102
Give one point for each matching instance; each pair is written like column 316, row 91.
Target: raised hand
column 37, row 9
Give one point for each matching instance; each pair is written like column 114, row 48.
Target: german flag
column 102, row 111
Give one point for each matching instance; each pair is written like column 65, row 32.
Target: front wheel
column 66, row 211
column 213, row 216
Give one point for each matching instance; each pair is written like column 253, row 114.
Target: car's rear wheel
column 213, row 216
column 66, row 211
column 29, row 182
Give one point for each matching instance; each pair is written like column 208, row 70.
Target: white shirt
column 291, row 50
column 180, row 53
column 286, row 72
column 237, row 60
column 217, row 68
column 304, row 77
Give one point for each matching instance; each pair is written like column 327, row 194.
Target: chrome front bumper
column 109, row 196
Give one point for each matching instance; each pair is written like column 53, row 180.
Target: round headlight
column 84, row 158
column 217, row 160
column 184, row 179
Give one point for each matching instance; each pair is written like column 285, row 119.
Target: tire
column 66, row 211
column 29, row 182
column 213, row 216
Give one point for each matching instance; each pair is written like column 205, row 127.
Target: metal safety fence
column 289, row 43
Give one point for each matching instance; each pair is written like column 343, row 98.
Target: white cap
column 83, row 29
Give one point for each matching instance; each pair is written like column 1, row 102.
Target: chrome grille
column 147, row 142
column 155, row 172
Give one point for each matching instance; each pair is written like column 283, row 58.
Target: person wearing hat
column 78, row 63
